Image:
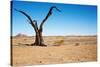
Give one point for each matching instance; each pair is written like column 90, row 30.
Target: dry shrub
column 58, row 43
column 77, row 44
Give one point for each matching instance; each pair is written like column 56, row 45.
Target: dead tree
column 38, row 30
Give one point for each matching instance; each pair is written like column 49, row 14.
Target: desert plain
column 59, row 49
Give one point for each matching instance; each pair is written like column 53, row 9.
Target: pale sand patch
column 68, row 52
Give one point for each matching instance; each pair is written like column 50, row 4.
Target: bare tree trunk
column 41, row 39
column 38, row 40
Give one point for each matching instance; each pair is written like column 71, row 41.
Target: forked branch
column 47, row 16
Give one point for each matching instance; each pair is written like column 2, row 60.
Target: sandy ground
column 60, row 49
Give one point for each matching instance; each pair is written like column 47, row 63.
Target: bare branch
column 35, row 24
column 29, row 18
column 28, row 21
column 48, row 15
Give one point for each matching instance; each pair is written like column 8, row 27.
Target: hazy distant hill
column 20, row 35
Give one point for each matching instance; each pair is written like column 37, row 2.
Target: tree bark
column 38, row 40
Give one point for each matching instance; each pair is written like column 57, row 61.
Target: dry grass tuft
column 58, row 43
column 77, row 44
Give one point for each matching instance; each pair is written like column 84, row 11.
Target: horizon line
column 55, row 35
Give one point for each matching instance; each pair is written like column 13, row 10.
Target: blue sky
column 72, row 20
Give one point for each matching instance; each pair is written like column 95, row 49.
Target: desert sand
column 60, row 49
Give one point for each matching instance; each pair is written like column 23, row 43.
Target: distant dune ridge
column 60, row 49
